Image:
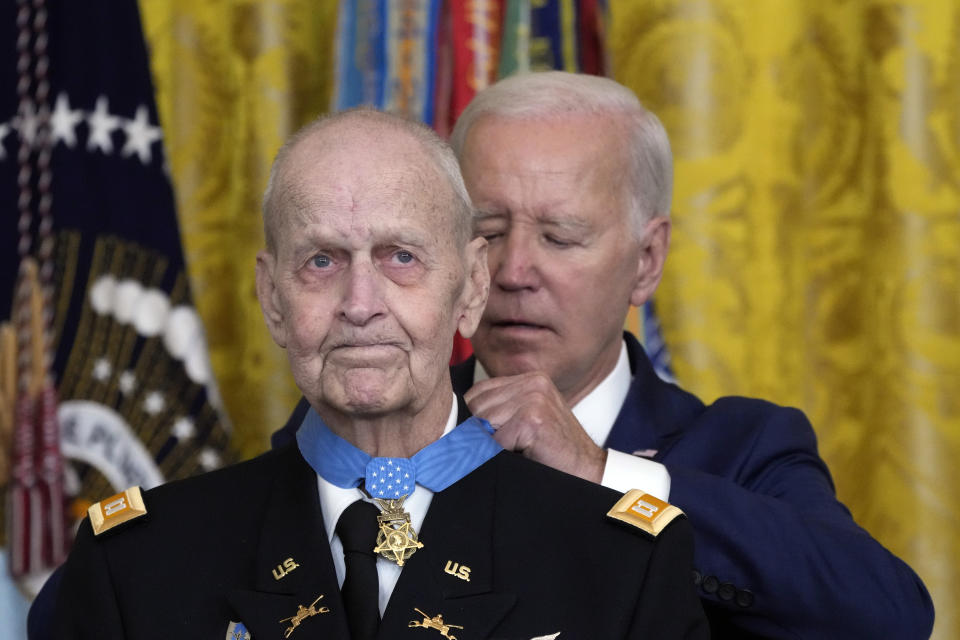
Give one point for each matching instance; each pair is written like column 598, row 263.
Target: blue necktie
column 436, row 466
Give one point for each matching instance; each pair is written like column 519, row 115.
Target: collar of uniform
column 334, row 499
column 598, row 410
column 291, row 568
column 454, row 573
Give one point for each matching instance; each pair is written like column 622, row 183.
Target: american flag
column 108, row 354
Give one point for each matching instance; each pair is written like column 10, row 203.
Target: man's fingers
column 494, row 412
column 489, row 400
column 508, row 437
column 535, row 421
column 510, row 388
column 491, row 385
column 487, row 403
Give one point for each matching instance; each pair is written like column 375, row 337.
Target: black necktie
column 357, row 529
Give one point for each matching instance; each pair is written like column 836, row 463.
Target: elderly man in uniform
column 393, row 503
column 572, row 180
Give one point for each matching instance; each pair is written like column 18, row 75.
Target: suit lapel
column 293, row 565
column 654, row 413
column 453, row 575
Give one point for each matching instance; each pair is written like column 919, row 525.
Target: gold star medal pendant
column 389, row 481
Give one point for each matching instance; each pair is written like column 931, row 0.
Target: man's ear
column 269, row 297
column 654, row 243
column 477, row 287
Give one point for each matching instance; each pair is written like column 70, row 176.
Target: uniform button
column 744, row 598
column 726, row 591
column 697, row 577
column 710, row 584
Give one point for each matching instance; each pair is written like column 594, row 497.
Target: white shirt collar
column 334, row 499
column 598, row 410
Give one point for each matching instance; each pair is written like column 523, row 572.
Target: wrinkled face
column 366, row 284
column 563, row 256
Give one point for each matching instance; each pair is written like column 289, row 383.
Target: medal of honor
column 390, row 481
column 396, row 540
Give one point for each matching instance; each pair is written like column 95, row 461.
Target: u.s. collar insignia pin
column 237, row 631
column 281, row 571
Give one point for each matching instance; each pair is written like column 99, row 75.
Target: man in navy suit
column 572, row 179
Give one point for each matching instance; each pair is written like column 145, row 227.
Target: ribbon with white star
column 390, row 477
column 436, row 466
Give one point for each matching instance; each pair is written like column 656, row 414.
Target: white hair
column 550, row 94
column 437, row 150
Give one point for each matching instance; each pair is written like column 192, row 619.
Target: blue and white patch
column 390, row 477
column 237, row 631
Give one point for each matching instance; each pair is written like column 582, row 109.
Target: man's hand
column 531, row 417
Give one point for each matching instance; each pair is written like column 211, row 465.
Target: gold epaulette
column 115, row 510
column 644, row 511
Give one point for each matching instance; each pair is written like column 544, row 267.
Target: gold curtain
column 816, row 246
column 233, row 79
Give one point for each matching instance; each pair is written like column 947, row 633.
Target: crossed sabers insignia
column 302, row 614
column 436, row 622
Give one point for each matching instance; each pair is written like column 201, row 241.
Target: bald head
column 370, row 270
column 334, row 143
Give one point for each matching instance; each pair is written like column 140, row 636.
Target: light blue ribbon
column 436, row 466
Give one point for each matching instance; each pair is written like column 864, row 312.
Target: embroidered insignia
column 237, row 631
column 644, row 511
column 436, row 622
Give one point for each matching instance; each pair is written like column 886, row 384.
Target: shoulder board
column 644, row 511
column 115, row 510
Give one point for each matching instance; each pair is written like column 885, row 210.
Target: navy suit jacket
column 776, row 554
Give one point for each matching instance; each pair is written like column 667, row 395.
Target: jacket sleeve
column 776, row 553
column 670, row 607
column 86, row 604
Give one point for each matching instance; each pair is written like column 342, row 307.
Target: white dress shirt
column 597, row 412
column 333, row 500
